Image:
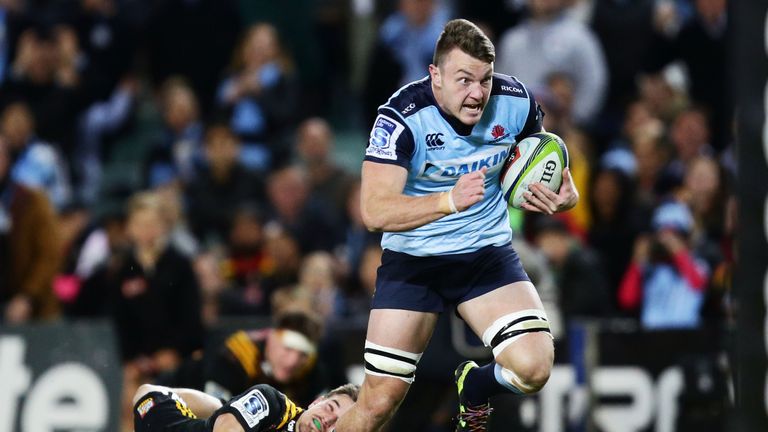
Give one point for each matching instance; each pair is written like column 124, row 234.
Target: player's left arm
column 539, row 198
column 200, row 404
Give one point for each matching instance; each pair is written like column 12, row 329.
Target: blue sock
column 485, row 381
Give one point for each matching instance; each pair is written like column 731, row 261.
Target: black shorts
column 158, row 411
column 427, row 284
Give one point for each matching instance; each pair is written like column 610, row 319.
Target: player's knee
column 522, row 345
column 526, row 370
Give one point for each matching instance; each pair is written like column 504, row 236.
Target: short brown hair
column 299, row 320
column 466, row 36
column 351, row 390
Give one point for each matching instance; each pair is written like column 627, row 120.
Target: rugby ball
column 540, row 157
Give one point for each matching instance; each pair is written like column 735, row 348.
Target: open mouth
column 318, row 424
column 473, row 108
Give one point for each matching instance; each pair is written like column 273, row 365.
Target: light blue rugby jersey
column 413, row 132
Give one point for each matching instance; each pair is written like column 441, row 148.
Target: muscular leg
column 527, row 361
column 380, row 396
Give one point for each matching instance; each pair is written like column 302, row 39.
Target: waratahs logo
column 498, row 133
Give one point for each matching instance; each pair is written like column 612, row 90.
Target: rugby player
column 260, row 408
column 430, row 182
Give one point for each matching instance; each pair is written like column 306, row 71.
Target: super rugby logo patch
column 145, row 406
column 252, row 407
column 382, row 143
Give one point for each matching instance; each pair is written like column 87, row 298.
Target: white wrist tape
column 451, row 204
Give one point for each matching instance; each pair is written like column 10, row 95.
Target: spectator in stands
column 317, row 290
column 403, row 49
column 360, row 300
column 582, row 288
column 410, row 35
column 99, row 122
column 73, row 226
column 665, row 280
column 222, row 186
column 29, row 251
column 261, row 97
column 314, row 146
column 177, row 153
column 617, row 219
column 283, row 258
column 690, row 136
column 209, row 272
column 625, row 56
column 246, row 265
column 156, row 301
column 704, row 191
column 550, row 42
column 10, row 15
column 357, row 238
column 307, row 218
column 36, row 164
column 45, row 74
column 179, row 234
column 664, row 100
column 651, row 157
column 283, row 355
column 100, row 258
column 701, row 46
column 107, row 46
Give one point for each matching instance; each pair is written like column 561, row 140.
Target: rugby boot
column 471, row 418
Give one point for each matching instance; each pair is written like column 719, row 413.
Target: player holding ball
column 431, row 183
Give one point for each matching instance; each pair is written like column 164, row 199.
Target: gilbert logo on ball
column 539, row 158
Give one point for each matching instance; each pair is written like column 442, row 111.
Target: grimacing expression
column 462, row 85
column 321, row 416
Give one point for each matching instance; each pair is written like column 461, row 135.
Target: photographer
column 664, row 278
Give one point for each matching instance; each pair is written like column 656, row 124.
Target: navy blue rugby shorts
column 427, row 284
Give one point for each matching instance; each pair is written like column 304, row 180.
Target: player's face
column 462, row 85
column 321, row 416
column 286, row 362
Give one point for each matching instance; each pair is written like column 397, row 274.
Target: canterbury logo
column 433, row 140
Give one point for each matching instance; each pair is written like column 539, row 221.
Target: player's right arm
column 260, row 408
column 385, row 207
column 388, row 155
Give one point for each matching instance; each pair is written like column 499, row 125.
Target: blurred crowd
column 168, row 163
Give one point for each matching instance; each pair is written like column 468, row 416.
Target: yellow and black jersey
column 166, row 411
column 238, row 365
column 261, row 408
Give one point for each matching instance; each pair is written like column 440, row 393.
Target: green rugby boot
column 470, row 418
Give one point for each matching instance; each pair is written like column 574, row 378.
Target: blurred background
column 179, row 183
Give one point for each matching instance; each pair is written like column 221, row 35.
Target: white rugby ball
column 540, row 157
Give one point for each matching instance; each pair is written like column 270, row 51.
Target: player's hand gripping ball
column 540, row 157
